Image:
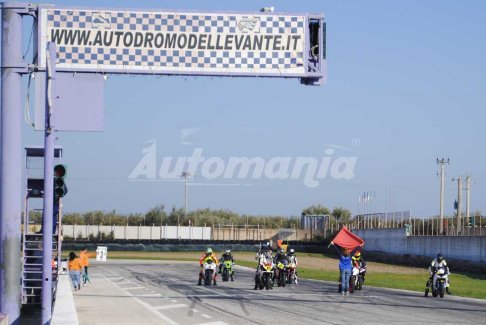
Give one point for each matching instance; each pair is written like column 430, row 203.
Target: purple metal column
column 11, row 160
column 47, row 212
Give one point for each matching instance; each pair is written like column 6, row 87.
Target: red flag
column 347, row 239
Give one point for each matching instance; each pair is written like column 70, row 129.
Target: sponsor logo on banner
column 246, row 25
column 101, row 20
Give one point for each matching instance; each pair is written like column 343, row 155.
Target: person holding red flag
column 350, row 244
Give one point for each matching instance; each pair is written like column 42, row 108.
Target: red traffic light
column 60, row 171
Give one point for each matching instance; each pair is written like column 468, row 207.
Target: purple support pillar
column 11, row 160
column 48, row 210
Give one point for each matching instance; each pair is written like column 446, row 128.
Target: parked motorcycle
column 264, row 273
column 227, row 270
column 439, row 283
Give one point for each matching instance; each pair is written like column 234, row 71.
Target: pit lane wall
column 396, row 241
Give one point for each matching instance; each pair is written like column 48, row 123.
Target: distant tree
column 177, row 215
column 316, row 209
column 156, row 216
column 135, row 219
column 342, row 215
column 73, row 219
column 200, row 217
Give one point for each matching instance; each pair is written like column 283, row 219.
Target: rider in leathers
column 227, row 256
column 438, row 262
column 292, row 257
column 279, row 257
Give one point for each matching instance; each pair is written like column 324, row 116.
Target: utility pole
column 185, row 175
column 468, row 197
column 442, row 163
column 459, row 205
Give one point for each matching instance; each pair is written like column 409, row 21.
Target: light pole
column 442, row 163
column 185, row 175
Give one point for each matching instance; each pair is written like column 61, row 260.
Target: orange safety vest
column 84, row 258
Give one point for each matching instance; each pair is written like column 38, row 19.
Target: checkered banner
column 174, row 43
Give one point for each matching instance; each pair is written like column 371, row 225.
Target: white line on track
column 150, row 295
column 132, row 288
column 114, row 279
column 124, row 282
column 165, row 307
column 166, row 319
column 214, row 323
column 205, row 316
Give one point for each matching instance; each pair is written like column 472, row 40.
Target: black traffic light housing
column 60, row 188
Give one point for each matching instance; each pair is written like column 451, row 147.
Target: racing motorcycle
column 356, row 279
column 440, row 279
column 264, row 273
column 292, row 274
column 227, row 270
column 282, row 273
column 209, row 274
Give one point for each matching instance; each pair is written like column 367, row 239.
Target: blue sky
column 406, row 84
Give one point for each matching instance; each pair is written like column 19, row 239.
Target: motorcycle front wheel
column 435, row 293
column 283, row 278
column 207, row 277
column 351, row 283
column 441, row 289
column 266, row 281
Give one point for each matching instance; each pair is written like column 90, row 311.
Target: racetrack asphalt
column 165, row 292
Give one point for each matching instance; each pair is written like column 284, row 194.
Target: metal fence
column 381, row 220
column 473, row 226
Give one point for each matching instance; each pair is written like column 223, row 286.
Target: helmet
column 357, row 254
column 292, row 251
column 227, row 251
column 440, row 258
column 267, row 244
column 209, row 250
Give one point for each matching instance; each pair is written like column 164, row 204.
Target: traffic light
column 60, row 188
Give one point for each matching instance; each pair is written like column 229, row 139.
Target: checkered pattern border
column 146, row 58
